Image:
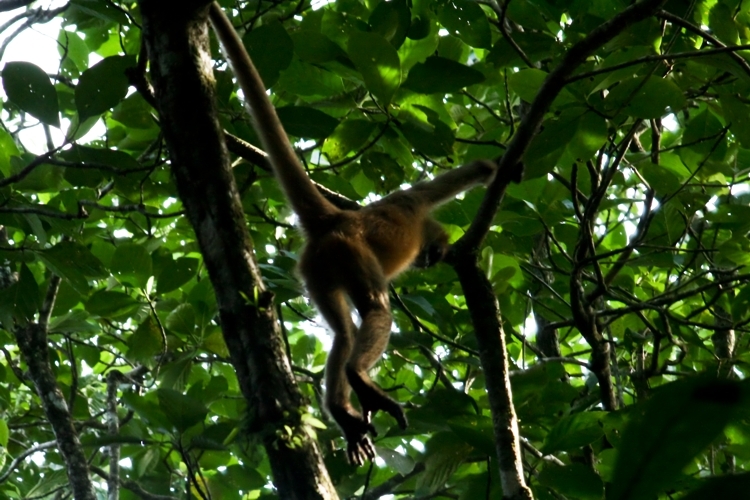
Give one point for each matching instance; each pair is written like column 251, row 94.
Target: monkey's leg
column 334, row 308
column 370, row 295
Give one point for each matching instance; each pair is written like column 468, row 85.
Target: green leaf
column 182, row 320
column 414, row 51
column 591, row 134
column 741, row 304
column 86, row 177
column 74, row 263
column 441, row 75
column 271, row 49
column 378, row 62
column 350, row 135
column 70, row 44
column 148, row 408
column 316, row 48
column 131, row 263
column 74, row 321
column 109, row 304
column 26, row 295
column 645, row 99
column 574, row 480
column 679, row 421
column 476, row 431
column 549, row 144
column 574, row 431
column 383, row 170
column 102, row 10
column 702, row 130
column 526, row 83
column 731, row 486
column 4, row 433
column 391, row 20
column 737, row 115
column 214, row 343
column 443, row 457
column 431, row 138
column 306, row 122
column 103, row 86
column 467, row 20
column 146, row 342
column 29, row 88
column 441, row 406
column 305, row 79
column 176, row 273
column 721, row 20
column 182, row 411
column 395, row 460
column 8, row 149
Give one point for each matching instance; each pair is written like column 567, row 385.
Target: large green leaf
column 468, row 21
column 350, row 135
column 304, row 121
column 669, row 430
column 444, row 456
column 103, row 86
column 314, row 47
column 105, row 303
column 392, row 21
column 732, row 486
column 648, row 98
column 574, row 480
column 182, row 411
column 271, row 49
column 29, row 87
column 175, row 274
column 438, row 74
column 73, row 262
column 574, row 431
column 182, row 320
column 378, row 62
column 131, row 263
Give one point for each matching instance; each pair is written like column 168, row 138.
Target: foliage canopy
column 627, row 242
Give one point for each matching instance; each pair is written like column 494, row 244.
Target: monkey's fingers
column 360, row 451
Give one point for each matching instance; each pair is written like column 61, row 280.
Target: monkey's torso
column 385, row 234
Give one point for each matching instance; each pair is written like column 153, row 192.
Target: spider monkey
column 351, row 255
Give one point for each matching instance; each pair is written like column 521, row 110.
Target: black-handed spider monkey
column 350, row 255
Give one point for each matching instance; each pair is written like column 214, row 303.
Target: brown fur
column 351, row 255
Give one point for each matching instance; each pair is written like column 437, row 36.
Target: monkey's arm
column 307, row 203
column 445, row 186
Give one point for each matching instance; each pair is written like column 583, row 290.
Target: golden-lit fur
column 351, row 255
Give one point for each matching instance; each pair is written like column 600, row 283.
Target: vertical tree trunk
column 177, row 38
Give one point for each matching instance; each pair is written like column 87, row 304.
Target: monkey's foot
column 373, row 398
column 359, row 447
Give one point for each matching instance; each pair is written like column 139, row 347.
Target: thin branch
column 684, row 23
column 133, row 486
column 549, row 90
column 6, row 5
column 20, row 458
column 138, row 208
column 660, row 57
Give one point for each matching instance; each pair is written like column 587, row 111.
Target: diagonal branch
column 529, row 126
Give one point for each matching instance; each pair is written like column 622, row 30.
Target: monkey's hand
column 372, row 398
column 359, row 447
